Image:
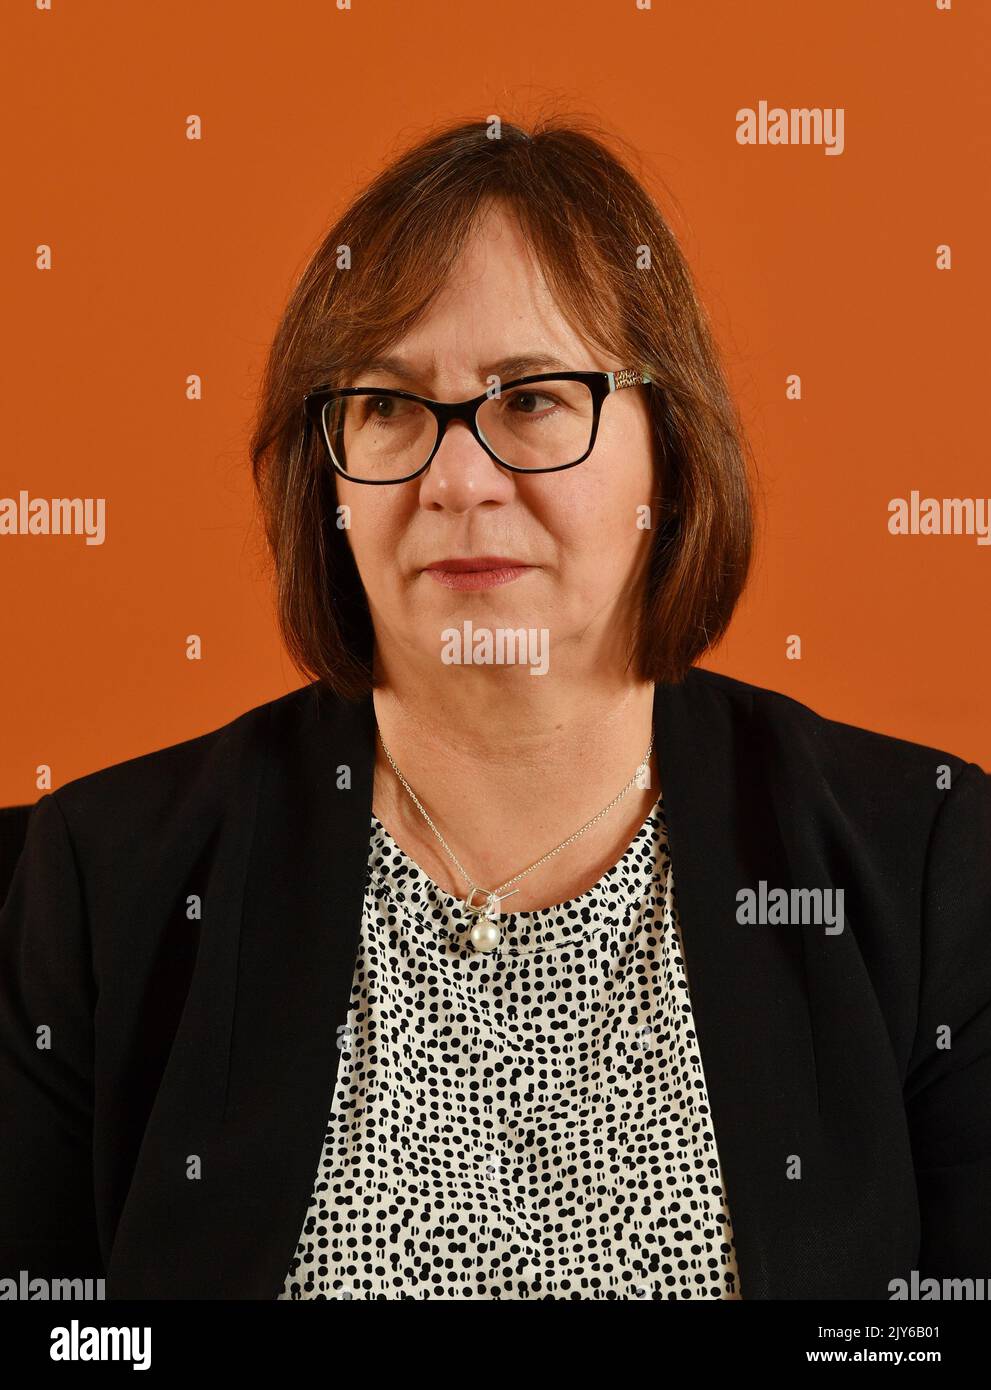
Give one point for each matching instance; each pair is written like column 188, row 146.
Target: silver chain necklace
column 486, row 934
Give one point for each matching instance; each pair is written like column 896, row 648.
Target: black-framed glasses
column 377, row 436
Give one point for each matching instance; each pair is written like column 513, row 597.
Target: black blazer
column 174, row 1037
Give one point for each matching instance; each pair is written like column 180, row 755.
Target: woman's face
column 579, row 530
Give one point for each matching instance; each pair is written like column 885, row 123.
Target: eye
column 381, row 409
column 528, row 399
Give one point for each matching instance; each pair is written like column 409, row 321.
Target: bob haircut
column 376, row 272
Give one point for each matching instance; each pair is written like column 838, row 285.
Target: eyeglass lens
column 383, row 437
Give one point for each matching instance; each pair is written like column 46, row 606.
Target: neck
column 508, row 765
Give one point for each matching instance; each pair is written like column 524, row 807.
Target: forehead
column 495, row 311
column 496, row 272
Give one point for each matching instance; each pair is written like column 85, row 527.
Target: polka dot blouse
column 530, row 1122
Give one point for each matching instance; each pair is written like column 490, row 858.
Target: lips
column 476, row 563
column 476, row 571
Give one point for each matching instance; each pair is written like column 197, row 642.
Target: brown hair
column 578, row 205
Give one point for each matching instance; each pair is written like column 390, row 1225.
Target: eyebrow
column 507, row 368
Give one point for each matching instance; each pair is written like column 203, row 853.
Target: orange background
column 174, row 257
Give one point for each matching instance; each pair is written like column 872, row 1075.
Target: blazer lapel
column 229, row 1230
column 747, row 983
column 803, row 1085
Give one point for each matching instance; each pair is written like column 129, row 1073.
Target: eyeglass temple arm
column 629, row 376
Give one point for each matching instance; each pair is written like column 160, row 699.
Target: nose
column 461, row 474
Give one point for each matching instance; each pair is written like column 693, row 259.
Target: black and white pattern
column 527, row 1123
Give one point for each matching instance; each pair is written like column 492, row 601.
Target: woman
column 382, row 989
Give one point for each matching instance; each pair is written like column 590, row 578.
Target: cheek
column 633, row 499
column 605, row 518
column 373, row 532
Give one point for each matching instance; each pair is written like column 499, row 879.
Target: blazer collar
column 250, row 1080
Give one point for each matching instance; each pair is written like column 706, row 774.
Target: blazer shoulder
column 830, row 743
column 182, row 775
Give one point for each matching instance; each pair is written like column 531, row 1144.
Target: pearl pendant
column 485, row 935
